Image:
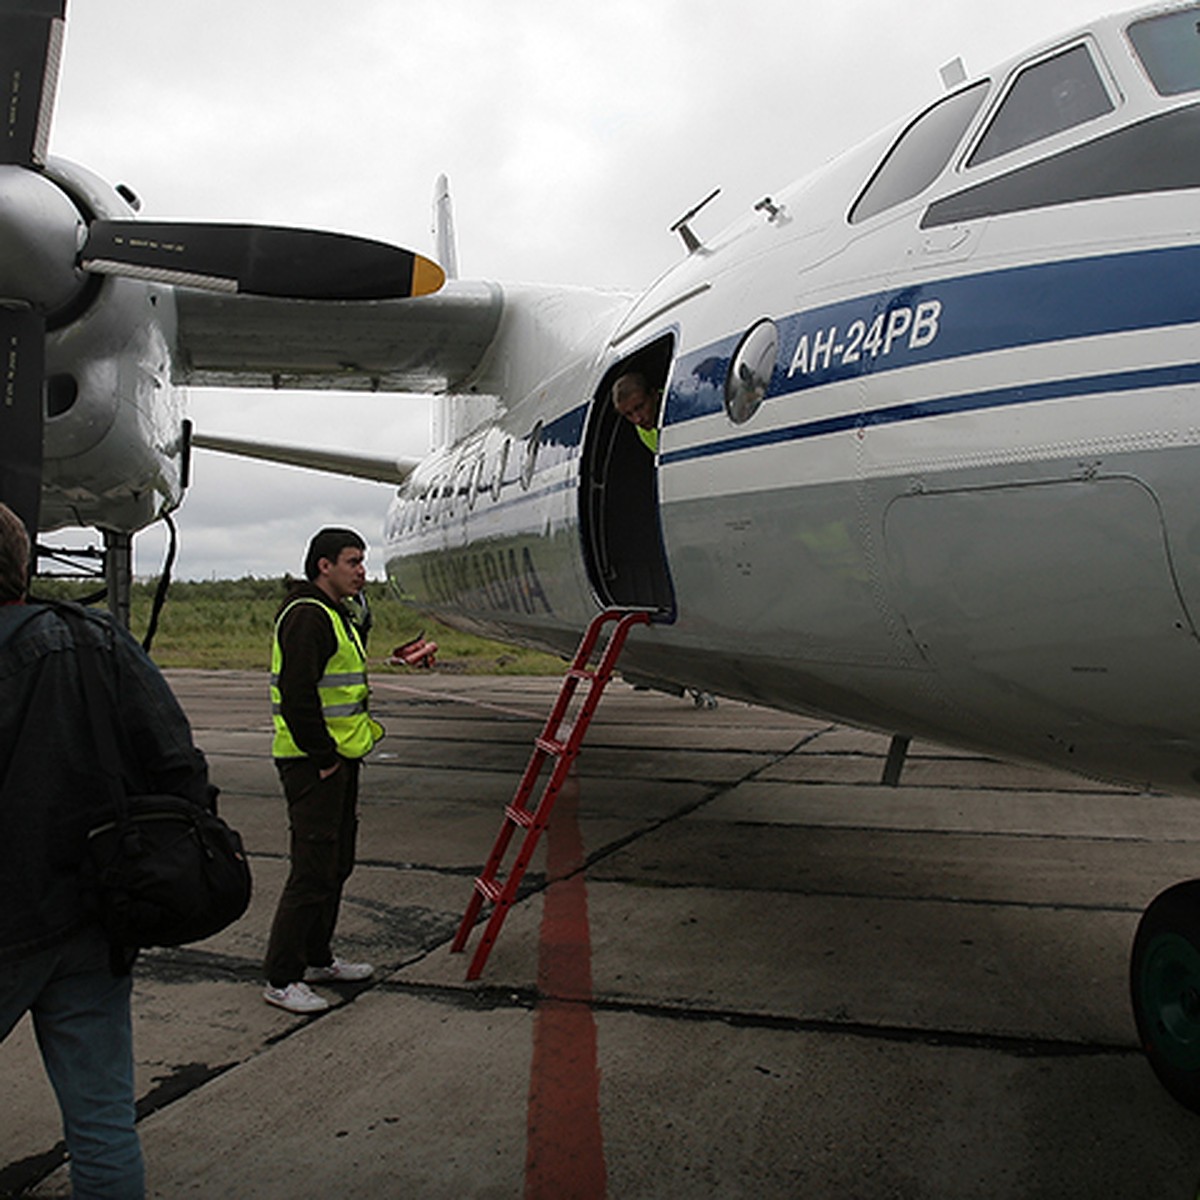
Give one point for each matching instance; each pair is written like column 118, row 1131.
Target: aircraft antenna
column 953, row 73
column 446, row 245
column 775, row 212
column 690, row 240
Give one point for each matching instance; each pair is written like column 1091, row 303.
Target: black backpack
column 160, row 871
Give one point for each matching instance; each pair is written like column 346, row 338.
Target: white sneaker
column 339, row 971
column 296, row 997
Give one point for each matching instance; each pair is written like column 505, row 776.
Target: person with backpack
column 56, row 962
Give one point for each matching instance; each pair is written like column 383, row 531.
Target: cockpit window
column 1169, row 47
column 920, row 154
column 1048, row 97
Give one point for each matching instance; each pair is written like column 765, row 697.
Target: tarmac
column 741, row 967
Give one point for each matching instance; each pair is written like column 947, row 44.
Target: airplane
column 928, row 443
column 92, row 428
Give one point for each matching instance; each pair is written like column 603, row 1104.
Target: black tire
column 1164, row 981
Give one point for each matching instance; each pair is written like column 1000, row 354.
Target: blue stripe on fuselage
column 566, row 430
column 1051, row 389
column 946, row 319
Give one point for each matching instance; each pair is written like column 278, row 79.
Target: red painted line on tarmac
column 564, row 1154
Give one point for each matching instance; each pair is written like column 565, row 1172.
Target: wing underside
column 427, row 344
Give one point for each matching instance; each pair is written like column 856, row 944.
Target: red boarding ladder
column 489, row 886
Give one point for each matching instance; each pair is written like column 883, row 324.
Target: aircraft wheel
column 1165, row 984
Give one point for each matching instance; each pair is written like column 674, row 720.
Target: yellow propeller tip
column 427, row 277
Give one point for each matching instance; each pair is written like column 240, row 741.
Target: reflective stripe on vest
column 342, row 691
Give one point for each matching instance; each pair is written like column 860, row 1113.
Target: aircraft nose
column 41, row 233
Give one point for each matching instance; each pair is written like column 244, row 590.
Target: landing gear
column 113, row 564
column 118, row 573
column 1165, row 985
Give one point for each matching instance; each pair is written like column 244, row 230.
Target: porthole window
column 750, row 371
column 532, row 443
column 501, row 467
column 462, row 484
column 476, row 483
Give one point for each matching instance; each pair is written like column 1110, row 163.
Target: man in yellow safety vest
column 322, row 732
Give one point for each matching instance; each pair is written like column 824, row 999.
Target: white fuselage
column 968, row 506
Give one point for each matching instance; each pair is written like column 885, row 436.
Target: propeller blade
column 22, row 356
column 264, row 260
column 31, row 36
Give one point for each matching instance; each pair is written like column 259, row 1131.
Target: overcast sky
column 574, row 134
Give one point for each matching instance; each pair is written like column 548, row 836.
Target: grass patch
column 227, row 625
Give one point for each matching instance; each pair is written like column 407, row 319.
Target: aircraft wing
column 428, row 344
column 361, row 466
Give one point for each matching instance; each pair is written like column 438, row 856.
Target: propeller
column 49, row 246
column 31, row 37
column 23, row 349
column 265, row 260
column 31, row 34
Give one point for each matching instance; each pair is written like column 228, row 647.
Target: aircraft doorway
column 618, row 500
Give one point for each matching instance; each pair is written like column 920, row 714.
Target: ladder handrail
column 487, row 885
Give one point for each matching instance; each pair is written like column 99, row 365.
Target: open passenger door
column 618, row 498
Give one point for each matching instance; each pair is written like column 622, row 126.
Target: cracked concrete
column 803, row 983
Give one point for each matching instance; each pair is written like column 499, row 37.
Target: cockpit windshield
column 1169, row 49
column 1055, row 94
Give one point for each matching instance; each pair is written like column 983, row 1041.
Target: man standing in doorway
column 322, row 733
column 638, row 403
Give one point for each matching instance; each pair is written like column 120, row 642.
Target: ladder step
column 490, row 889
column 519, row 816
column 562, row 745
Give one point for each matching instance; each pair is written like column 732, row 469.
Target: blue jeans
column 81, row 1018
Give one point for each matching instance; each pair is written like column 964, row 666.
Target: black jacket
column 51, row 790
